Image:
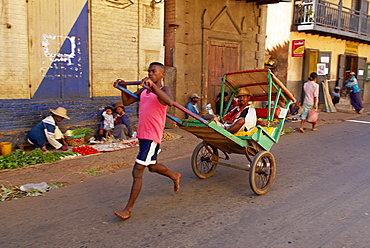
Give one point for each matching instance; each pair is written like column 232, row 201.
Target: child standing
column 108, row 121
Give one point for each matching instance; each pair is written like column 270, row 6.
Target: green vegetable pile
column 63, row 155
column 20, row 158
column 85, row 130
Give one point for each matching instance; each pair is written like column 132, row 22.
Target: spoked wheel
column 201, row 160
column 262, row 172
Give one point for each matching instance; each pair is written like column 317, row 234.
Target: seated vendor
column 47, row 131
column 122, row 122
column 121, row 129
column 193, row 106
column 242, row 117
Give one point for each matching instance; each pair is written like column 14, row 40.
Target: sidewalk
column 342, row 114
column 329, row 118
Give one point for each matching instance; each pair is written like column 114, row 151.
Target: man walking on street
column 152, row 117
column 355, row 96
column 311, row 91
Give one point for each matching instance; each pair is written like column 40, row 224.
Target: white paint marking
column 367, row 122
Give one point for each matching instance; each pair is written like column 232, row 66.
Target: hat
column 194, row 95
column 352, row 73
column 60, row 111
column 118, row 104
column 243, row 92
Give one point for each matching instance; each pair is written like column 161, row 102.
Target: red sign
column 297, row 48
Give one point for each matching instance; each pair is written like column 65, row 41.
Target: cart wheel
column 262, row 172
column 201, row 160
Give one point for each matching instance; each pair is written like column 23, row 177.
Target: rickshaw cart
column 264, row 86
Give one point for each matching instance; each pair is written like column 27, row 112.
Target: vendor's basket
column 76, row 140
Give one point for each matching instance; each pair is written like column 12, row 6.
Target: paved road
column 320, row 198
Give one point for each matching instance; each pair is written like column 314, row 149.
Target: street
column 320, row 198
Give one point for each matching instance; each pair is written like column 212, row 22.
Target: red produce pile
column 85, row 150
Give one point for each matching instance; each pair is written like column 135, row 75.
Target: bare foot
column 315, row 129
column 301, row 130
column 124, row 215
column 177, row 183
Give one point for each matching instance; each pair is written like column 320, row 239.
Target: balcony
column 330, row 19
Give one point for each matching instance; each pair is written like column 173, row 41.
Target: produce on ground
column 85, row 130
column 20, row 158
column 65, row 155
column 15, row 192
column 167, row 136
column 132, row 143
column 85, row 150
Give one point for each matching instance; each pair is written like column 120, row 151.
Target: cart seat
column 269, row 130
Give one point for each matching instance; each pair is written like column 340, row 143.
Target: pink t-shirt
column 152, row 117
column 311, row 90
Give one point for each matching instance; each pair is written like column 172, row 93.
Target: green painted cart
column 218, row 143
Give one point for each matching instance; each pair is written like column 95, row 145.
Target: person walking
column 152, row 117
column 355, row 95
column 311, row 90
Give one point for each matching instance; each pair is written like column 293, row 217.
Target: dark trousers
column 356, row 101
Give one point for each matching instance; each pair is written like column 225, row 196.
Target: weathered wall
column 124, row 40
column 13, row 50
column 124, row 37
column 199, row 22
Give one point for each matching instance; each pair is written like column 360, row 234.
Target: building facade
column 69, row 52
column 329, row 38
column 205, row 39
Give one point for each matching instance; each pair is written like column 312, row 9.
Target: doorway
column 223, row 56
column 352, row 63
column 319, row 62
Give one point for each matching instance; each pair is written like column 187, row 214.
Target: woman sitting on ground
column 121, row 129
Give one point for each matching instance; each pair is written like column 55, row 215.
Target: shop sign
column 298, row 48
column 351, row 47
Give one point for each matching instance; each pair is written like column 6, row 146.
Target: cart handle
column 175, row 104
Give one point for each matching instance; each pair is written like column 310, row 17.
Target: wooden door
column 311, row 57
column 58, row 45
column 324, row 59
column 341, row 70
column 361, row 73
column 223, row 56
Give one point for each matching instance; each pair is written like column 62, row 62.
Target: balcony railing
column 321, row 13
